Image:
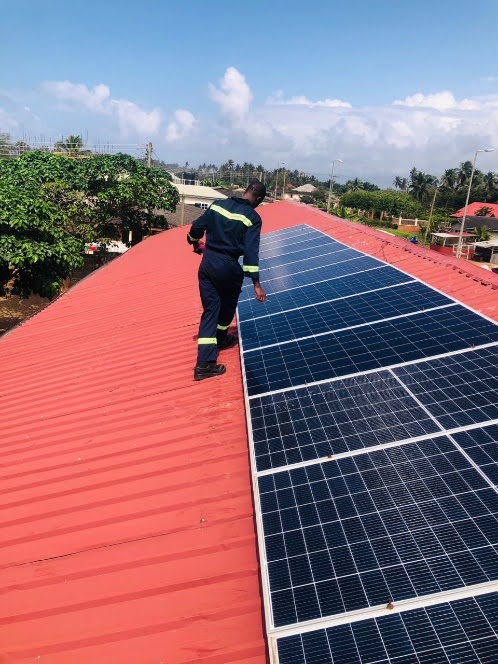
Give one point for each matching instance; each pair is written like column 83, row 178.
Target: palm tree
column 490, row 182
column 72, row 146
column 400, row 183
column 463, row 173
column 354, row 185
column 482, row 232
column 449, row 179
column 422, row 185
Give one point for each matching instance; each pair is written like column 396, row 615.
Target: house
column 473, row 208
column 198, row 195
column 297, row 193
column 447, row 243
column 128, row 532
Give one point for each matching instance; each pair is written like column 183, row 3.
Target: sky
column 383, row 85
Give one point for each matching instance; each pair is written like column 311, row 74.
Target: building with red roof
column 473, row 208
column 128, row 525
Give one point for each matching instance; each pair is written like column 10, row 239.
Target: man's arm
column 251, row 257
column 198, row 228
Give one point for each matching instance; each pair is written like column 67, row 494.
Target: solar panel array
column 372, row 404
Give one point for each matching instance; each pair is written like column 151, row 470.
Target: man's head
column 255, row 193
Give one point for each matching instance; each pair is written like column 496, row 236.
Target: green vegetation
column 50, row 206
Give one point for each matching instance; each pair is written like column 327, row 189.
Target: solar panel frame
column 462, row 630
column 364, row 348
column 457, row 389
column 313, row 275
column 272, row 632
column 378, row 527
column 340, row 314
column 316, row 422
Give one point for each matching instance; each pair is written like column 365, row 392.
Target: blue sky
column 382, row 84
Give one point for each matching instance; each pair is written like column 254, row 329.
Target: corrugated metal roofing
column 472, row 208
column 127, row 528
column 127, row 531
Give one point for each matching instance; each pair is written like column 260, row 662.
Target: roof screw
column 203, row 520
column 390, row 605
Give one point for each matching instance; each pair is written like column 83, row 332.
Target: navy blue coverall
column 233, row 229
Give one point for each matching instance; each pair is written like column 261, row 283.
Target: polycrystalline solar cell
column 394, row 524
column 337, row 254
column 284, row 241
column 458, row 390
column 346, row 266
column 481, row 445
column 301, row 254
column 296, row 298
column 340, row 314
column 292, row 263
column 333, row 418
column 464, row 630
column 289, row 253
column 364, row 348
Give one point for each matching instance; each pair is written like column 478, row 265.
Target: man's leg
column 207, row 349
column 229, row 298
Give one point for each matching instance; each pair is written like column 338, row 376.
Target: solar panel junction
column 372, row 405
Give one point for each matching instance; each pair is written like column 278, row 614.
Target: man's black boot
column 228, row 341
column 208, row 370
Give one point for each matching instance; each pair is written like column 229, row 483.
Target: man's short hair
column 257, row 188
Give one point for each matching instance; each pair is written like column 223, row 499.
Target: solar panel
column 464, row 630
column 334, row 418
column 481, row 444
column 373, row 420
column 313, row 248
column 339, row 314
column 382, row 526
column 355, row 263
column 364, row 348
column 458, row 390
column 332, row 289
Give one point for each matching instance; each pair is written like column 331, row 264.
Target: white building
column 198, row 195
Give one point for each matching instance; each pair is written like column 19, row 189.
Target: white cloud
column 181, row 127
column 489, row 79
column 440, row 101
column 234, row 95
column 131, row 118
column 7, row 122
column 96, row 99
column 278, row 99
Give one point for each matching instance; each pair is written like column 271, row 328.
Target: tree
column 72, row 146
column 490, row 186
column 400, row 183
column 391, row 202
column 51, row 205
column 482, row 232
column 354, row 185
column 449, row 179
column 421, row 185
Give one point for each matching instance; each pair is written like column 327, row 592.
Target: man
column 232, row 230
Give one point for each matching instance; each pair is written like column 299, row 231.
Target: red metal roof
column 472, row 208
column 128, row 531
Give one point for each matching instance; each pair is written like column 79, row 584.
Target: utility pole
column 182, row 218
column 149, row 154
column 332, row 183
column 283, row 186
column 276, row 183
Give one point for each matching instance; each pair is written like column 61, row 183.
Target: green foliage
column 483, row 233
column 391, row 202
column 51, row 205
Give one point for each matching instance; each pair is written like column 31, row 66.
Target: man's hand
column 199, row 247
column 260, row 293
